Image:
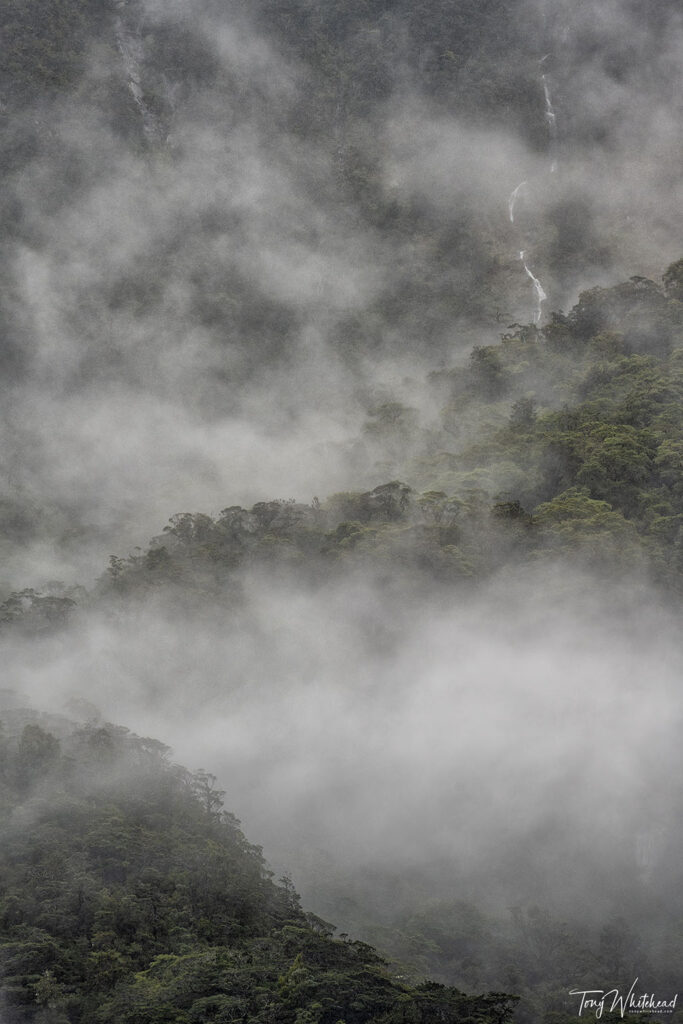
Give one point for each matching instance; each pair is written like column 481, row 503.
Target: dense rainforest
column 383, row 300
column 326, row 189
column 129, row 894
column 588, row 478
column 560, row 442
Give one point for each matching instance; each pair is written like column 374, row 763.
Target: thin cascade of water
column 523, row 187
column 538, row 289
column 550, row 117
column 514, row 196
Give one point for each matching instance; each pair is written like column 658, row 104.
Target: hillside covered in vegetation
column 381, row 301
column 560, row 443
column 129, row 895
column 583, row 478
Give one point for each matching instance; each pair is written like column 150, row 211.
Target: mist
column 498, row 733
column 221, row 262
column 209, row 319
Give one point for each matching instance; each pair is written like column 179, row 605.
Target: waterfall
column 550, row 118
column 514, row 196
column 523, row 187
column 538, row 289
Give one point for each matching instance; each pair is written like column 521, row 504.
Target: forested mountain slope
column 560, row 443
column 422, row 260
column 128, row 894
column 241, row 228
column 558, row 453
